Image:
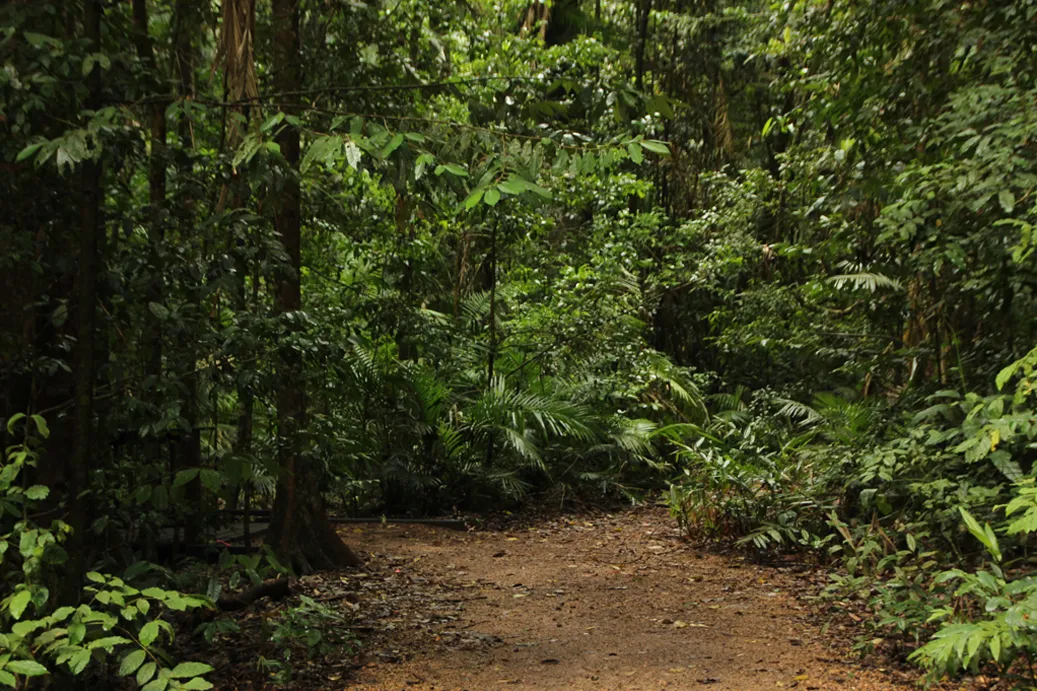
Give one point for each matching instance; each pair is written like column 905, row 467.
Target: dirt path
column 614, row 603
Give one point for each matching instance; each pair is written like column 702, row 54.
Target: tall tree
column 237, row 51
column 153, row 86
column 644, row 12
column 300, row 531
column 77, row 472
column 156, row 177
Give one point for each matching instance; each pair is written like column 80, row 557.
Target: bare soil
column 609, row 602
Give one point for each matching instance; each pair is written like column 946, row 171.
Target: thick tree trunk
column 77, row 472
column 300, row 532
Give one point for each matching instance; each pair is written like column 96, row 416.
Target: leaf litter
column 579, row 603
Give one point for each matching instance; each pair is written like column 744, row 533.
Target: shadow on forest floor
column 604, row 602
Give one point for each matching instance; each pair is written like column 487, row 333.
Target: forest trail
column 613, row 602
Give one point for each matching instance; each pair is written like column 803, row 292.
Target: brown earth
column 612, row 602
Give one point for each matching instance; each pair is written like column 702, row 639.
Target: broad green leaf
column 41, row 426
column 26, row 668
column 76, row 632
column 13, row 420
column 27, row 542
column 62, row 613
column 452, row 169
column 324, row 149
column 1006, row 374
column 1007, row 200
column 272, row 121
column 421, row 164
column 38, row 40
column 148, row 633
column 473, row 198
column 393, row 144
column 352, row 154
column 190, row 669
column 7, row 679
column 143, row 494
column 79, row 661
column 159, row 310
column 656, row 147
column 28, row 151
column 132, row 662
column 538, row 190
column 27, row 626
column 159, row 684
column 635, row 152
column 37, row 492
column 19, row 602
column 54, row 553
column 1002, row 460
column 108, row 643
column 492, row 196
column 211, row 479
column 145, row 673
column 197, row 684
column 513, row 186
column 185, row 476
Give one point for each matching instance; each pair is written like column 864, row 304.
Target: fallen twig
column 276, row 589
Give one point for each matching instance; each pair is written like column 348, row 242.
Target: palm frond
column 679, row 385
column 865, row 281
column 794, row 410
column 730, row 400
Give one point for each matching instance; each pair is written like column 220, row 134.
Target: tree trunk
column 78, row 470
column 644, row 10
column 491, row 359
column 156, row 229
column 300, row 532
column 156, row 183
column 189, row 453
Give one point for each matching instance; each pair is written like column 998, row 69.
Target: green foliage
column 1002, row 634
column 774, row 258
column 114, row 621
column 308, row 630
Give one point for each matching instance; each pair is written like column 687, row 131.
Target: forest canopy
column 769, row 262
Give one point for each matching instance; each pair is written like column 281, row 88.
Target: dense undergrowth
column 926, row 518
